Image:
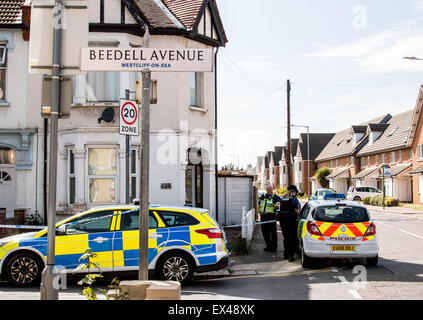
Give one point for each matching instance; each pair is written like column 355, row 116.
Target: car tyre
column 306, row 261
column 357, row 198
column 372, row 262
column 24, row 269
column 175, row 266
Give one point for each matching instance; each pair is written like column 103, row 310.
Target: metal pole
column 48, row 290
column 383, row 186
column 308, row 162
column 145, row 158
column 127, row 158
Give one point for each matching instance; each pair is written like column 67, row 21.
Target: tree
column 321, row 175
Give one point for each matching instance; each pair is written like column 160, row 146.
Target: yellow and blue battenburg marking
column 120, row 249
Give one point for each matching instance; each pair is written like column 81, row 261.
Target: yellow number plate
column 342, row 248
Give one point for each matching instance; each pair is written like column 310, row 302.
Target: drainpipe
column 215, row 127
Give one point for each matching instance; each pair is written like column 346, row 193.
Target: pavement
column 257, row 261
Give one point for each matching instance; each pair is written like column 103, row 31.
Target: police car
column 336, row 228
column 181, row 240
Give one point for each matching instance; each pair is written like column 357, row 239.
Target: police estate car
column 181, row 240
column 335, row 228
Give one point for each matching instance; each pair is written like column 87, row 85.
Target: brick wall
column 19, row 218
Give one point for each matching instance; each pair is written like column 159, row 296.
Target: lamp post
column 308, row 156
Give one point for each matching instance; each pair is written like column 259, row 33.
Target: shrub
column 367, row 200
column 321, row 175
column 376, row 200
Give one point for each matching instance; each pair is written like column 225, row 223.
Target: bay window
column 102, row 171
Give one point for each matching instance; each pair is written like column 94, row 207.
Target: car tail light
column 313, row 229
column 371, row 230
column 211, row 233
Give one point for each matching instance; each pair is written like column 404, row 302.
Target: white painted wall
column 234, row 193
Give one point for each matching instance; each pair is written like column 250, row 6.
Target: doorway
column 194, row 179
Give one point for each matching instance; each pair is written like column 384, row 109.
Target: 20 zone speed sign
column 128, row 118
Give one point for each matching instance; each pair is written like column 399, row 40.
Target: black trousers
column 289, row 233
column 269, row 231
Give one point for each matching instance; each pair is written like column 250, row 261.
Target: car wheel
column 372, row 262
column 176, row 266
column 306, row 261
column 357, row 198
column 24, row 269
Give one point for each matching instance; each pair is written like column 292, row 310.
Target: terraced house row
column 356, row 155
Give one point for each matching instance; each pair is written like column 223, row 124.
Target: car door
column 89, row 231
column 126, row 241
column 303, row 219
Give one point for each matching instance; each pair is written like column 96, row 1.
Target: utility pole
column 145, row 159
column 288, row 108
column 48, row 290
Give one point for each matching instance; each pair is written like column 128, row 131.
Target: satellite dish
column 107, row 115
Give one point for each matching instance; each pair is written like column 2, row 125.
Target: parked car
column 359, row 193
column 336, row 229
column 181, row 240
column 318, row 194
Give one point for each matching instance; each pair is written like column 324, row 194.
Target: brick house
column 304, row 160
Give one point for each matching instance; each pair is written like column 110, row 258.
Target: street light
column 308, row 156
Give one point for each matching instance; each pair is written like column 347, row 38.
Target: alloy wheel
column 176, row 268
column 24, row 270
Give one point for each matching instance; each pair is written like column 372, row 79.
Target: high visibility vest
column 267, row 205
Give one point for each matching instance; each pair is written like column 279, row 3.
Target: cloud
column 382, row 51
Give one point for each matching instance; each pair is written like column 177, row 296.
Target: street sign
column 128, row 118
column 387, row 170
column 46, row 16
column 153, row 59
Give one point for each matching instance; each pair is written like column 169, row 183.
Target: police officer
column 267, row 207
column 289, row 209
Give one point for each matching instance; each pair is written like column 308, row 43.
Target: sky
column 344, row 60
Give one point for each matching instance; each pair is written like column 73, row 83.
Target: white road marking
column 410, row 233
column 384, row 224
column 355, row 294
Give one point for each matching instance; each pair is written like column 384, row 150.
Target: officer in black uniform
column 268, row 204
column 289, row 209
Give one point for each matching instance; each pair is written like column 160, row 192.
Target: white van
column 359, row 193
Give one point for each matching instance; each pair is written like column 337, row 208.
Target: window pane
column 188, row 187
column 2, row 84
column 133, row 161
column 342, row 214
column 131, row 221
column 178, row 219
column 71, row 162
column 91, row 225
column 102, row 190
column 71, row 190
column 101, row 161
column 7, row 156
column 133, row 194
column 103, row 86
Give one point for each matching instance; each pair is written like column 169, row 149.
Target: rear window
column 340, row 214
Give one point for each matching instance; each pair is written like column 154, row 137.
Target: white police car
column 336, row 228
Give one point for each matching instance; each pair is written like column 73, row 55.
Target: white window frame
column 399, row 156
column 393, row 157
column 3, row 66
column 88, row 176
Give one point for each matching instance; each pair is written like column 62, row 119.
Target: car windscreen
column 340, row 214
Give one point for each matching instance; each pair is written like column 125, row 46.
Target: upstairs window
column 420, row 151
column 196, row 88
column 3, row 60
